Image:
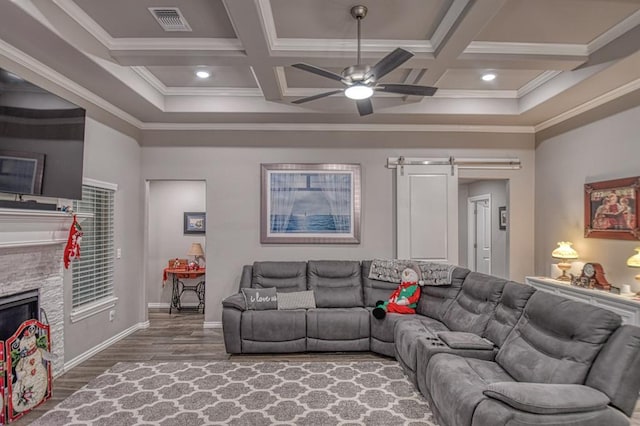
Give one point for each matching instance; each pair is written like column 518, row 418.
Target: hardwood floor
column 176, row 337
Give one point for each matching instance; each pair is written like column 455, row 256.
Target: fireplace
column 16, row 309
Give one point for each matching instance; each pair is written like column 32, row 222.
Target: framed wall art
column 611, row 209
column 310, row 203
column 195, row 223
column 502, row 218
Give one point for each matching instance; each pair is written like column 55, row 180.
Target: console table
column 179, row 287
column 625, row 306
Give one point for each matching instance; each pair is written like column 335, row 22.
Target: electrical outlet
column 118, row 253
column 112, row 314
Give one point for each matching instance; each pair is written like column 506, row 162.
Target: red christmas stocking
column 72, row 249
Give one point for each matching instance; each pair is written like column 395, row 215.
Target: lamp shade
column 564, row 251
column 634, row 261
column 196, row 250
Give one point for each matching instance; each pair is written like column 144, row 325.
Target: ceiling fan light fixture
column 203, row 74
column 358, row 91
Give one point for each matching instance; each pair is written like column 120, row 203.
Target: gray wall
column 113, row 157
column 168, row 200
column 499, row 239
column 603, row 150
column 233, row 191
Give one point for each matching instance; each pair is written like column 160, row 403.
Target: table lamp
column 196, row 251
column 634, row 262
column 564, row 252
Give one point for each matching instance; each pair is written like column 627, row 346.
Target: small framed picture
column 194, row 223
column 502, row 218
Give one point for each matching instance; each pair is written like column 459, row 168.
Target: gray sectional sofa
column 482, row 350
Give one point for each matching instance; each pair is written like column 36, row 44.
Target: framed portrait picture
column 310, row 203
column 502, row 218
column 194, row 223
column 611, row 209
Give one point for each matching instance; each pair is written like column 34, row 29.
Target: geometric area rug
column 245, row 393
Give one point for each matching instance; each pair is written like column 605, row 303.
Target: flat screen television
column 41, row 141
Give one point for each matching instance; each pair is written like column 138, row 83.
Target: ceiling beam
column 247, row 23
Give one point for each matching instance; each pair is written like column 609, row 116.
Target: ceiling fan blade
column 364, row 106
column 314, row 97
column 390, row 62
column 318, row 71
column 407, row 89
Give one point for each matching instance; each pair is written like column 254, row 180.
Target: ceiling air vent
column 170, row 18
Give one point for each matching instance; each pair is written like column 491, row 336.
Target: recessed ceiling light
column 203, row 74
column 488, row 76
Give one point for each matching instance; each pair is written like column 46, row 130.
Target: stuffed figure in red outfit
column 404, row 299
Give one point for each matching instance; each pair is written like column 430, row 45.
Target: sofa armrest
column 235, row 301
column 543, row 398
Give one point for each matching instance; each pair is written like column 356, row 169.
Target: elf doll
column 404, row 299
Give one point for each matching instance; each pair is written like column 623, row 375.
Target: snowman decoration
column 31, row 376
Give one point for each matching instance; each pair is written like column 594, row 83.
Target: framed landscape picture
column 611, row 209
column 310, row 203
column 194, row 223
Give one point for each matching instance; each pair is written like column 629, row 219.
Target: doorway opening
column 175, row 223
column 483, row 242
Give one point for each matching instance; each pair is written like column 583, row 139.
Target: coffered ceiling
column 553, row 59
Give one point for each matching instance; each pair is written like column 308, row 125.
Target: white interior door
column 427, row 212
column 480, row 232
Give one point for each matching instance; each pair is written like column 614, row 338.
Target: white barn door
column 427, row 213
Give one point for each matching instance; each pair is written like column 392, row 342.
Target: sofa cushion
column 337, row 284
column 260, row 299
column 338, row 329
column 273, row 325
column 541, row 398
column 556, row 340
column 436, row 300
column 510, row 307
column 456, row 385
column 473, row 307
column 338, row 323
column 375, row 290
column 285, row 276
column 616, row 370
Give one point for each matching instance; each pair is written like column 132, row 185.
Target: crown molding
column 614, row 32
column 345, row 45
column 325, row 127
column 536, row 82
column 55, row 77
column 150, row 78
column 509, row 48
column 171, row 43
column 589, row 105
column 476, row 94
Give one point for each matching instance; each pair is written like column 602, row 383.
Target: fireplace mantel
column 19, row 228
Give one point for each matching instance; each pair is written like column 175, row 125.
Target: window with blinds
column 93, row 272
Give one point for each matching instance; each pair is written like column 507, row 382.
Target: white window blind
column 93, row 272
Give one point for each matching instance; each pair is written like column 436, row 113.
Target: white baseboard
column 91, row 352
column 212, row 324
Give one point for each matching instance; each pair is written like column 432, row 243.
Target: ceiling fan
column 361, row 81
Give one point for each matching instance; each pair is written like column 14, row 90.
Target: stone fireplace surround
column 31, row 248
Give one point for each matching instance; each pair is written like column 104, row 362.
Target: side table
column 179, row 287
